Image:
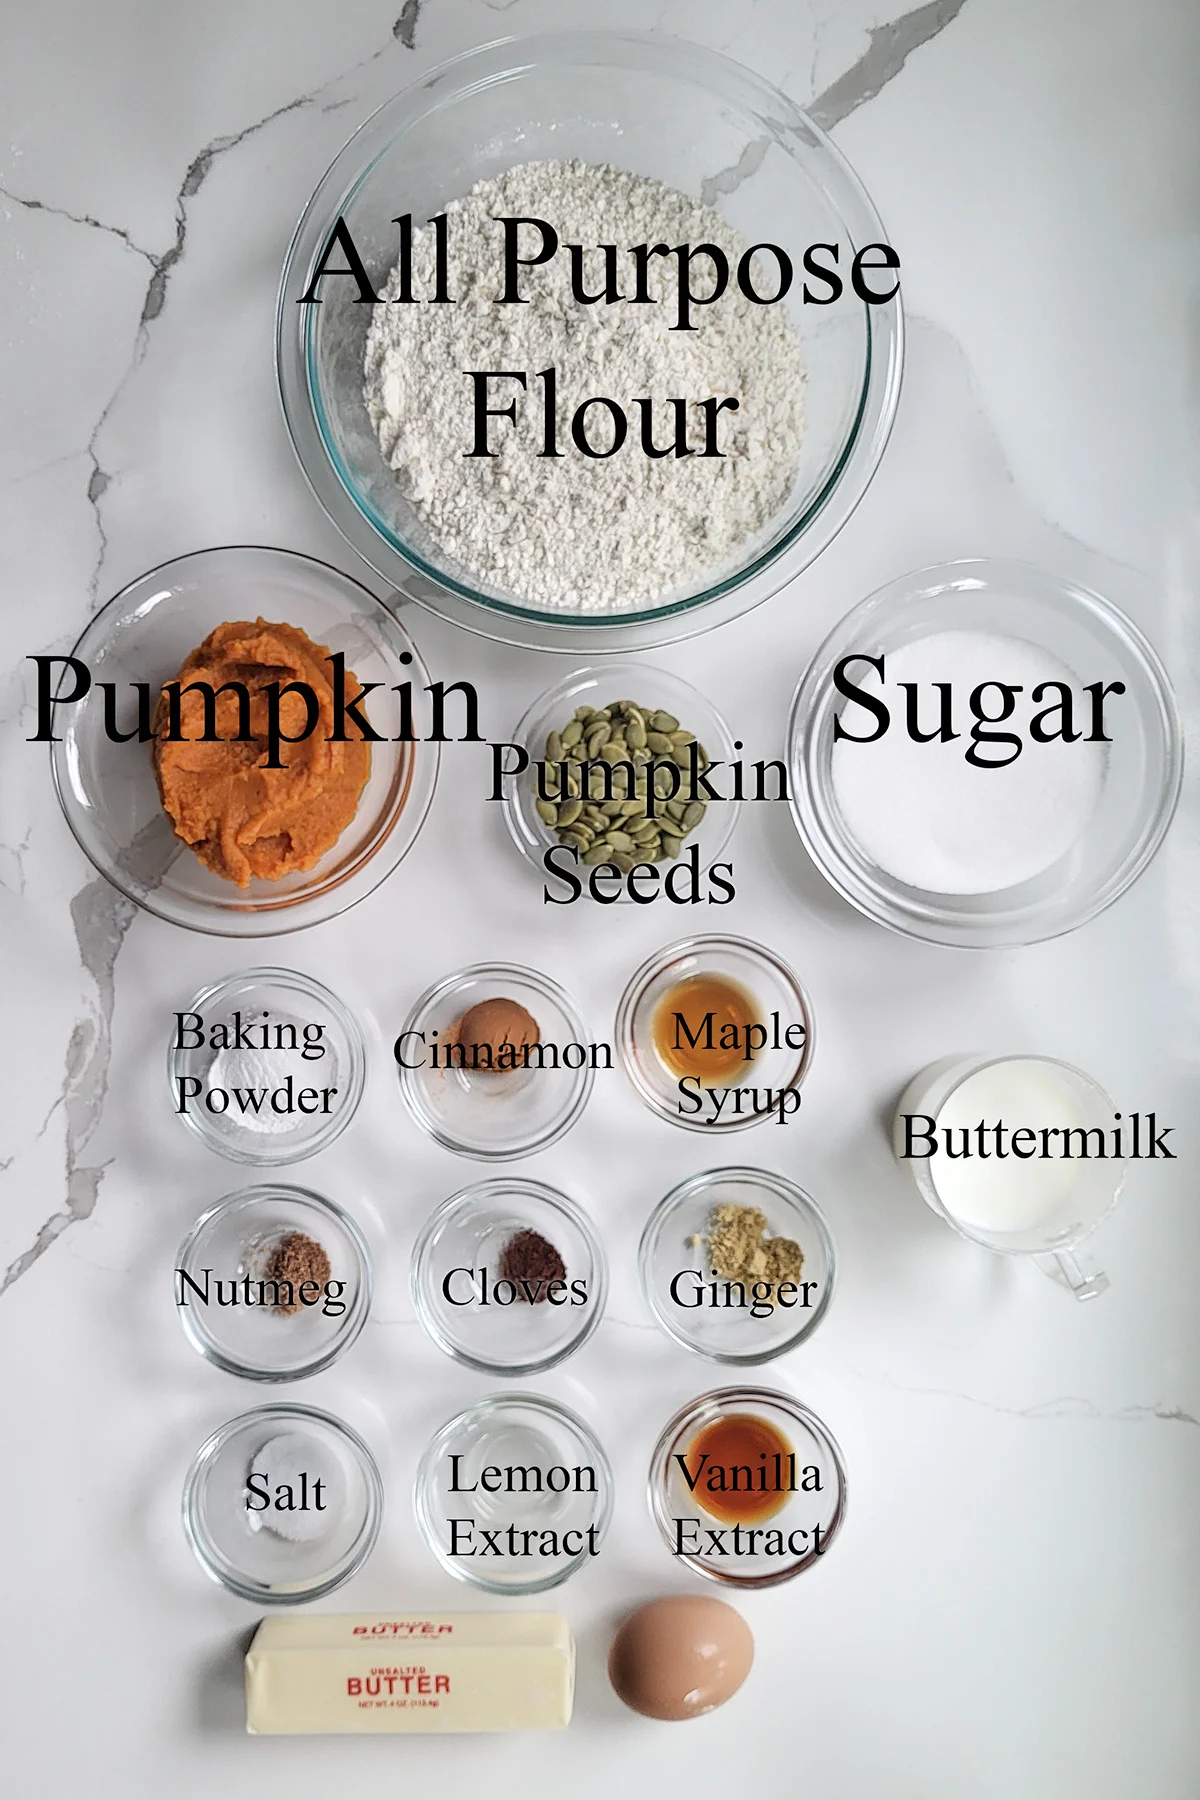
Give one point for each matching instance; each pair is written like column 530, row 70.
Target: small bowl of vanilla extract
column 716, row 1034
column 747, row 1487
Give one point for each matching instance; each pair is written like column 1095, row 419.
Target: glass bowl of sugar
column 984, row 754
column 266, row 1067
column 650, row 516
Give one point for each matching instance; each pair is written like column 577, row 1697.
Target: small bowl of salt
column 267, row 1066
column 283, row 1504
column 984, row 754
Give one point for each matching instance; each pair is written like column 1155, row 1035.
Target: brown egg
column 680, row 1657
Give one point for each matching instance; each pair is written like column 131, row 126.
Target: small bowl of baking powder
column 267, row 1066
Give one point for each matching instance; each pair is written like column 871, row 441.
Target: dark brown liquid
column 743, row 1468
column 713, row 1011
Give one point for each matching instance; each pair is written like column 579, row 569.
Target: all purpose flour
column 574, row 532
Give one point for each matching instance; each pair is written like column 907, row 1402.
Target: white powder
column 289, row 1467
column 927, row 815
column 573, row 532
column 251, row 1077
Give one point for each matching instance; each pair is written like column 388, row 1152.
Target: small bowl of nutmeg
column 495, row 1061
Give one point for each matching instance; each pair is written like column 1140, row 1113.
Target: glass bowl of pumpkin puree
column 233, row 741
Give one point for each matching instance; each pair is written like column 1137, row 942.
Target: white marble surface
column 1012, row 1609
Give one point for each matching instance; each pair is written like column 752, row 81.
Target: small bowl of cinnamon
column 495, row 1062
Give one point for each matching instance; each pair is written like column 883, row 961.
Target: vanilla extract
column 1136, row 1138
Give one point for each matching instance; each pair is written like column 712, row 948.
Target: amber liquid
column 743, row 1469
column 718, row 1055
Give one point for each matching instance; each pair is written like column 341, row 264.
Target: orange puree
column 242, row 818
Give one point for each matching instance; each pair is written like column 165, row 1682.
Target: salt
column 928, row 816
column 289, row 1467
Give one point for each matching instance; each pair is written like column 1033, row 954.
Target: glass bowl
column 1138, row 787
column 109, row 794
column 561, row 1484
column 316, row 1076
column 480, row 1317
column 494, row 1115
column 789, row 1539
column 768, row 1082
column 663, row 109
column 229, row 1251
column 738, row 1322
column 261, row 1562
column 595, row 687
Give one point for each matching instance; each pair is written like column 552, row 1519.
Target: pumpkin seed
column 663, row 721
column 568, row 812
column 547, row 812
column 693, row 815
column 659, row 742
column 554, row 747
column 598, row 853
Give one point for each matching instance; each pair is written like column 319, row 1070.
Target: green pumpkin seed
column 554, row 747
column 635, row 734
column 671, row 828
column 694, row 814
column 597, row 738
column 620, row 859
column 546, row 810
column 620, row 840
column 575, row 840
column 664, row 721
column 568, row 812
column 571, row 733
column 683, row 737
column 598, row 853
column 659, row 742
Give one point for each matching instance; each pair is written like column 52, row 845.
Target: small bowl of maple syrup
column 716, row 1034
column 747, row 1487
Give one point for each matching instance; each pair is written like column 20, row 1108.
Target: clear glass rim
column 934, row 918
column 269, row 918
column 725, row 1400
column 321, row 1139
column 478, row 1193
column 354, row 1319
column 304, row 413
column 262, row 1592
column 654, row 966
column 493, row 1403
column 580, row 1091
column 690, row 1189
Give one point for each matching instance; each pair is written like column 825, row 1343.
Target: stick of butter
column 346, row 1672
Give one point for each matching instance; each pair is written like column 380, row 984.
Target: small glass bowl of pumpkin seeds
column 622, row 758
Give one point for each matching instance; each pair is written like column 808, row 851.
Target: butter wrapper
column 395, row 1672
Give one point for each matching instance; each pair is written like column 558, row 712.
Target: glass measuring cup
column 1032, row 1183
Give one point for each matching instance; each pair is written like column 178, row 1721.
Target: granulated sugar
column 576, row 533
column 935, row 821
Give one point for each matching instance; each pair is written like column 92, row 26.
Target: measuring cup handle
column 1084, row 1279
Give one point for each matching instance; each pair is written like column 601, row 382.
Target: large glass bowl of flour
column 662, row 110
